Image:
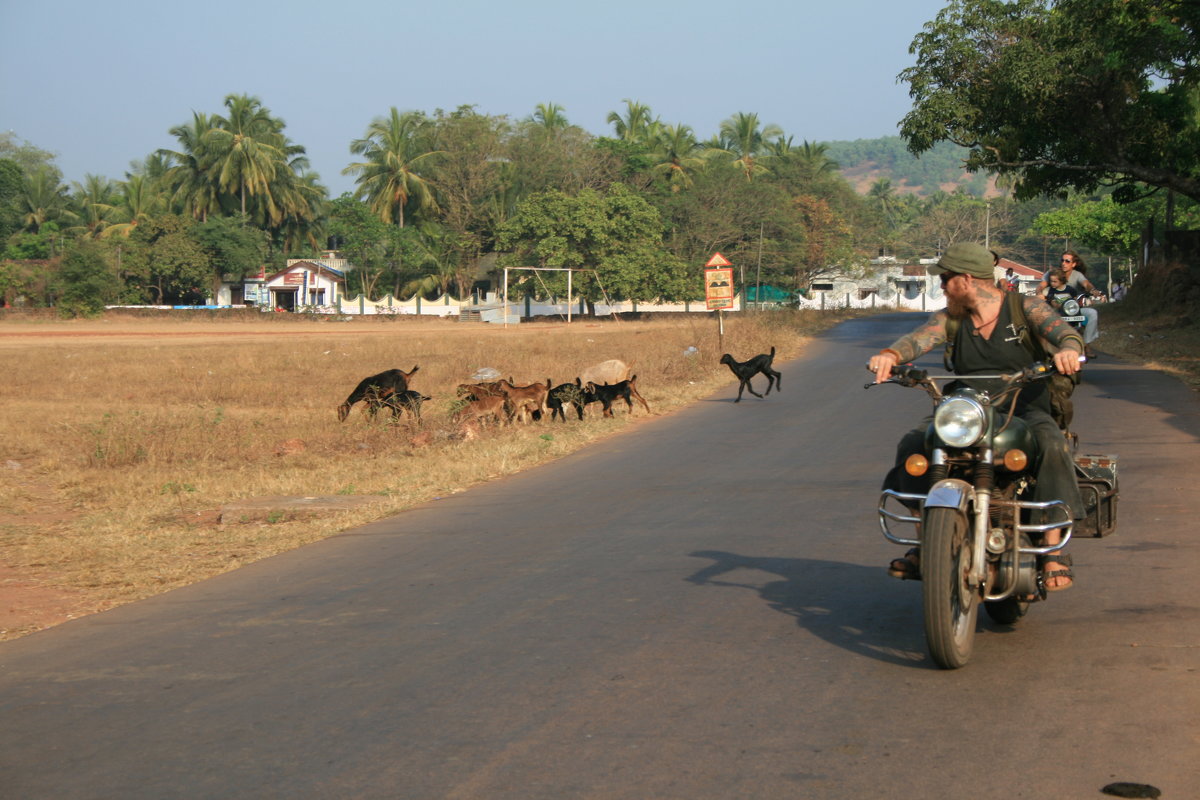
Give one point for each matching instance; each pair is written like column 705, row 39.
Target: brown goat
column 495, row 406
column 526, row 399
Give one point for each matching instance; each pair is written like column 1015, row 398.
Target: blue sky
column 100, row 83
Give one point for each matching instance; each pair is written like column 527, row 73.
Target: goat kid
column 375, row 390
column 409, row 401
column 526, row 400
column 745, row 370
column 607, row 393
column 495, row 406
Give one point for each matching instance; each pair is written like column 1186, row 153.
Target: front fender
column 951, row 493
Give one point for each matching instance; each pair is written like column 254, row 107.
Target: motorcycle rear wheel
column 951, row 606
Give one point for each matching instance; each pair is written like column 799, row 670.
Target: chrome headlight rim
column 960, row 421
column 1070, row 307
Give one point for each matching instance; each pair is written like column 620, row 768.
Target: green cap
column 967, row 258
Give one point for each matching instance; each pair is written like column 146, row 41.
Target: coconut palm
column 93, row 204
column 191, row 179
column 139, row 199
column 677, row 154
column 635, row 125
column 550, row 116
column 396, row 148
column 742, row 138
column 247, row 148
column 41, row 199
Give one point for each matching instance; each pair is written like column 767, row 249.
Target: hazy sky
column 100, row 83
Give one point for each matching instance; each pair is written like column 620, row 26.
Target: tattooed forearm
column 923, row 339
column 1050, row 326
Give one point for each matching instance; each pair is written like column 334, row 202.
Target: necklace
column 982, row 325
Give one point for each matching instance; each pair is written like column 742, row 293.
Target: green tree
column 234, row 248
column 42, row 199
column 86, row 281
column 617, row 235
column 10, row 194
column 396, row 151
column 551, row 116
column 1065, row 94
column 176, row 266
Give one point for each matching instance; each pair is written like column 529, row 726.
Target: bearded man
column 989, row 338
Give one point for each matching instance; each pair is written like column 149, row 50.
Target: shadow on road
column 834, row 601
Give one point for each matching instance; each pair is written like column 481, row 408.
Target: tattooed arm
column 910, row 346
column 1050, row 326
column 1053, row 329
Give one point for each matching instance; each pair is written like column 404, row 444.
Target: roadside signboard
column 718, row 283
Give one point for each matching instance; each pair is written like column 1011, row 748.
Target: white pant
column 1091, row 324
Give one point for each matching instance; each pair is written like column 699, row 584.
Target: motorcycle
column 974, row 527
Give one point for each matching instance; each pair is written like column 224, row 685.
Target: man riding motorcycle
column 990, row 334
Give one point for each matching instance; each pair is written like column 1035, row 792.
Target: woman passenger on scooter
column 1073, row 268
column 987, row 340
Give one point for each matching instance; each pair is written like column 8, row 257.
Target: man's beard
column 956, row 308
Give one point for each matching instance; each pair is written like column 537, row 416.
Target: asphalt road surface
column 695, row 609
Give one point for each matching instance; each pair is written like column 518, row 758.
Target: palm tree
column 395, row 148
column 814, row 160
column 42, row 199
column 246, row 147
column 883, row 196
column 677, row 154
column 93, row 202
column 742, row 138
column 139, row 199
column 550, row 116
column 635, row 125
column 191, row 177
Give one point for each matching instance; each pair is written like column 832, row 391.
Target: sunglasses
column 1068, row 261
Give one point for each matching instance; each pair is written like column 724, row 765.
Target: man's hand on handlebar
column 882, row 364
column 1066, row 361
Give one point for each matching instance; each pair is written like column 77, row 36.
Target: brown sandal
column 1057, row 558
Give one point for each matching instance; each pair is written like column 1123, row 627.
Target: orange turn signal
column 1015, row 460
column 916, row 465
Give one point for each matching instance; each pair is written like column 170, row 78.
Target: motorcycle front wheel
column 951, row 606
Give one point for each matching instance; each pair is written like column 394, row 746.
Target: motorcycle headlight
column 959, row 422
column 1070, row 307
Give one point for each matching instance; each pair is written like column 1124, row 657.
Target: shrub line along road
column 696, row 608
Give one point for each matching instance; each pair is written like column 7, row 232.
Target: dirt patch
column 28, row 605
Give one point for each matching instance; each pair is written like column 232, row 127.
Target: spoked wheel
column 951, row 607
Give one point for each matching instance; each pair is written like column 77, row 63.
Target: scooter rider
column 990, row 339
column 1073, row 269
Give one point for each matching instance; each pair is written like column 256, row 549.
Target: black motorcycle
column 977, row 543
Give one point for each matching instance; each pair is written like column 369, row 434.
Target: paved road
column 694, row 610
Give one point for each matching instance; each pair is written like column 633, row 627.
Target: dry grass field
column 124, row 438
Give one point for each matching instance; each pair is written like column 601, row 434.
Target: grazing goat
column 526, row 400
column 564, row 393
column 495, row 406
column 745, row 370
column 611, row 371
column 375, row 390
column 606, row 393
column 408, row 400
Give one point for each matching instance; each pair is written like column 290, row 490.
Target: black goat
column 408, row 400
column 606, row 393
column 745, row 370
column 563, row 394
column 376, row 390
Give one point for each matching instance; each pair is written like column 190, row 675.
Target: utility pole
column 987, row 226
